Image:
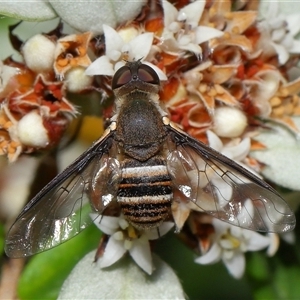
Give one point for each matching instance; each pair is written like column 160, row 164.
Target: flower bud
column 31, row 130
column 77, row 80
column 38, row 53
column 229, row 122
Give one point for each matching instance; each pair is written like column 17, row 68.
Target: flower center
column 229, row 242
column 127, row 234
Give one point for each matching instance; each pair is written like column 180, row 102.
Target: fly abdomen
column 145, row 193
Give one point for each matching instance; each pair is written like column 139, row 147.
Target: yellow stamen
column 235, row 243
column 132, row 232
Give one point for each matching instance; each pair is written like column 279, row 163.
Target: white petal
column 236, row 231
column 223, row 190
column 287, row 41
column 204, row 34
column 107, row 224
column 170, row 13
column 119, row 64
column 220, row 226
column 159, row 72
column 6, row 73
column 274, row 243
column 213, row 255
column 193, row 11
column 169, row 43
column 238, row 152
column 282, row 53
column 113, row 40
column 296, row 47
column 192, row 48
column 101, row 66
column 257, row 241
column 140, row 46
column 114, row 250
column 278, row 34
column 156, row 233
column 293, row 23
column 246, row 215
column 214, row 141
column 141, row 254
column 236, row 265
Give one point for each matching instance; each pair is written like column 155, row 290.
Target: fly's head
column 135, row 77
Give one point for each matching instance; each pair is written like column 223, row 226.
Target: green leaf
column 265, row 293
column 2, row 237
column 286, row 282
column 45, row 273
column 283, row 283
column 281, row 156
column 257, row 266
column 27, row 10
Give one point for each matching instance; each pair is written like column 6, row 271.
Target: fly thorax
column 140, row 130
column 145, row 192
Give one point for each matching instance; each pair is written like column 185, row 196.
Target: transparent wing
column 62, row 208
column 222, row 188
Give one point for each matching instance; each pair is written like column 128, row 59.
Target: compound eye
column 121, row 77
column 147, row 74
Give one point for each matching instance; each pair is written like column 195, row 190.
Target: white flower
column 195, row 184
column 181, row 28
column 236, row 150
column 229, row 245
column 124, row 237
column 262, row 87
column 121, row 47
column 278, row 32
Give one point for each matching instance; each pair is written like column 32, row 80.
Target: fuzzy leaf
column 124, row 280
column 284, row 7
column 45, row 273
column 281, row 156
column 91, row 15
column 26, row 10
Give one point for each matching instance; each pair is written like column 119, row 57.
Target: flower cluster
column 221, row 81
column 224, row 72
column 34, row 109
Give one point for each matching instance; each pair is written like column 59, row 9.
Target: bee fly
column 146, row 166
